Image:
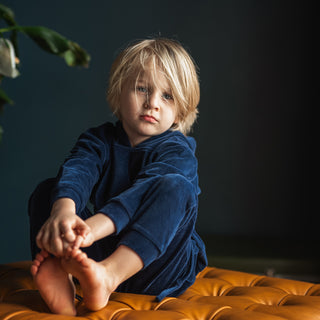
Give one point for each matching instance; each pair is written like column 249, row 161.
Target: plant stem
column 9, row 29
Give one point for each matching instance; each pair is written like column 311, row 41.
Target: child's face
column 147, row 109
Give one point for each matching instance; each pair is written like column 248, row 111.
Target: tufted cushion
column 217, row 294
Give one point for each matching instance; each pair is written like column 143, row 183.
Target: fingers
column 88, row 240
column 56, row 242
column 71, row 229
column 82, row 228
column 67, row 232
column 60, row 236
column 81, row 232
column 50, row 239
column 42, row 237
column 39, row 239
column 78, row 242
column 75, row 247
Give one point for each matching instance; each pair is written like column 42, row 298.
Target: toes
column 36, row 263
column 34, row 270
column 44, row 254
column 68, row 253
column 80, row 256
column 39, row 258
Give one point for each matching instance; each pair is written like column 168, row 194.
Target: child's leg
column 159, row 242
column 54, row 283
column 39, row 211
column 99, row 279
column 162, row 234
column 168, row 207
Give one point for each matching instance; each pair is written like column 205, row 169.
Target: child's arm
column 83, row 167
column 62, row 227
column 64, row 230
column 100, row 226
column 171, row 159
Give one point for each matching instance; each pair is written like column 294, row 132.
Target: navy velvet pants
column 181, row 253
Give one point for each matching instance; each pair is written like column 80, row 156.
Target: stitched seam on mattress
column 307, row 292
column 281, row 302
column 163, row 302
column 255, row 281
column 14, row 314
column 218, row 312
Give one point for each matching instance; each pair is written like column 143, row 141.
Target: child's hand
column 62, row 228
column 84, row 241
column 58, row 233
column 80, row 242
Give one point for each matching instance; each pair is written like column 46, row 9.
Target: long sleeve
column 82, row 169
column 170, row 158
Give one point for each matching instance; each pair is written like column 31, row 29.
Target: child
column 141, row 177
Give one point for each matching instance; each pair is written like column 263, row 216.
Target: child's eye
column 142, row 89
column 167, row 96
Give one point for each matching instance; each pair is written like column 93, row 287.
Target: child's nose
column 153, row 102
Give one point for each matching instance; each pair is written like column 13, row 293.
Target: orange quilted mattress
column 217, row 294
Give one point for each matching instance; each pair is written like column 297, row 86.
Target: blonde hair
column 174, row 62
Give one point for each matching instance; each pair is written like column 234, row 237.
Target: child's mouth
column 150, row 119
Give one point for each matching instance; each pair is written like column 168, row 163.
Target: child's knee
column 44, row 188
column 41, row 196
column 176, row 185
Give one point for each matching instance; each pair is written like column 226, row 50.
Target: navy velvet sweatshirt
column 150, row 191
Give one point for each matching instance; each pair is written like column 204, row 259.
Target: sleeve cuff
column 145, row 248
column 58, row 194
column 117, row 213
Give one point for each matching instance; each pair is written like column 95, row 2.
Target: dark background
column 252, row 134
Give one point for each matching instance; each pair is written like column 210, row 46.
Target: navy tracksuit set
column 150, row 191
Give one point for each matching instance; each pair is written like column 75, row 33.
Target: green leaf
column 76, row 56
column 53, row 42
column 7, row 15
column 47, row 39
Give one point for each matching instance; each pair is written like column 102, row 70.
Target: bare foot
column 54, row 284
column 96, row 284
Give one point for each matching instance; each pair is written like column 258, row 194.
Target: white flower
column 7, row 59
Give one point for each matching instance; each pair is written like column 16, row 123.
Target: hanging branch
column 47, row 39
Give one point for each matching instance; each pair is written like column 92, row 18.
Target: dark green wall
column 251, row 131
